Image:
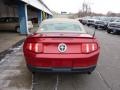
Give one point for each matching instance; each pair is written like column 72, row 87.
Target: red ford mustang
column 61, row 45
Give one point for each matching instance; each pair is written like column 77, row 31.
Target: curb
column 8, row 51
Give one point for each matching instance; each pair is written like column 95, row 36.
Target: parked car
column 61, row 45
column 114, row 26
column 80, row 20
column 91, row 22
column 84, row 20
column 103, row 23
column 12, row 23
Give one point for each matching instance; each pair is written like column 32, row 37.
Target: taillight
column 34, row 47
column 89, row 47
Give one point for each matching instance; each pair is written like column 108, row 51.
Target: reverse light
column 89, row 47
column 34, row 47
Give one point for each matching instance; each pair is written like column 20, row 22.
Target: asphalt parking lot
column 15, row 76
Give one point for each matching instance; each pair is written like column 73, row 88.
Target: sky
column 73, row 6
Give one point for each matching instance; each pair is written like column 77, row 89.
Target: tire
column 108, row 31
column 17, row 29
column 88, row 25
column 30, row 69
column 89, row 73
column 96, row 27
column 105, row 28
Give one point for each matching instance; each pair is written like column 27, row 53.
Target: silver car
column 12, row 23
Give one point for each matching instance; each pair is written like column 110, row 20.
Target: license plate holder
column 61, row 63
column 61, row 69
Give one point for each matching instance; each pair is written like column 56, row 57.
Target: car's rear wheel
column 30, row 69
column 33, row 72
column 96, row 27
column 89, row 73
column 88, row 25
column 108, row 31
column 105, row 28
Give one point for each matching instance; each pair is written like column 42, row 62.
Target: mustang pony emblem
column 62, row 47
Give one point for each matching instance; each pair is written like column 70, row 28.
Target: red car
column 61, row 45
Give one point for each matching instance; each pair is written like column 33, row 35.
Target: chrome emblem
column 62, row 47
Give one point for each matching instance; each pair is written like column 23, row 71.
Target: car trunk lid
column 62, row 43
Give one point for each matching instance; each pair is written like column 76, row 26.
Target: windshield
column 61, row 27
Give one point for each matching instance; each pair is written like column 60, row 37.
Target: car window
column 16, row 19
column 61, row 27
column 12, row 20
column 2, row 20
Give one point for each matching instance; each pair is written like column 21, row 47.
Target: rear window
column 12, row 19
column 61, row 27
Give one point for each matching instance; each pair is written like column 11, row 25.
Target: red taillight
column 89, row 47
column 34, row 47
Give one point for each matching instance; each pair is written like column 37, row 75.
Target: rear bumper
column 58, row 70
column 62, row 62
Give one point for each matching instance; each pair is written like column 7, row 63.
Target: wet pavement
column 15, row 76
column 13, row 72
column 68, row 82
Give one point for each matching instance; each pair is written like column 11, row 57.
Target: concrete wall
column 12, row 11
column 6, row 10
column 32, row 14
